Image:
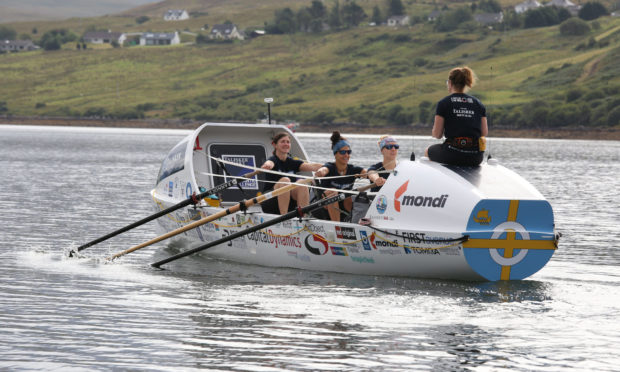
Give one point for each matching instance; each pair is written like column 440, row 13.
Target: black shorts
column 444, row 153
column 271, row 205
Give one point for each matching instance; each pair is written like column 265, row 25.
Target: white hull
column 416, row 218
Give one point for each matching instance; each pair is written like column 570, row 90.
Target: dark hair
column 336, row 137
column 278, row 137
column 462, row 78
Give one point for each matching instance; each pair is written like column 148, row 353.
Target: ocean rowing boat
column 429, row 220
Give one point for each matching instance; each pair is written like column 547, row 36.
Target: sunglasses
column 389, row 147
column 342, row 152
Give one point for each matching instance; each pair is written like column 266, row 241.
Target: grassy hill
column 370, row 75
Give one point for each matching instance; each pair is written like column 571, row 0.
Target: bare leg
column 301, row 195
column 285, row 198
column 334, row 212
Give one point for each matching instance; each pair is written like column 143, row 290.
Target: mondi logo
column 417, row 200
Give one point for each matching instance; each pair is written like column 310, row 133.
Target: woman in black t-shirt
column 282, row 162
column 461, row 118
column 378, row 173
column 339, row 168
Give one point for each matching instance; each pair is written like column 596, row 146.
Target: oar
column 299, row 212
column 193, row 200
column 235, row 208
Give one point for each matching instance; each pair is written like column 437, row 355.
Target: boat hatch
column 252, row 155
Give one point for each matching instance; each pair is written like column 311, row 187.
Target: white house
column 572, row 8
column 527, row 5
column 159, row 38
column 103, row 37
column 176, row 15
column 434, row 15
column 488, row 19
column 17, row 46
column 226, row 31
column 399, row 20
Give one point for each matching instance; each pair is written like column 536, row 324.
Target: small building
column 159, row 38
column 227, row 31
column 567, row 4
column 103, row 37
column 399, row 20
column 527, row 5
column 257, row 33
column 17, row 45
column 176, row 15
column 434, row 15
column 488, row 19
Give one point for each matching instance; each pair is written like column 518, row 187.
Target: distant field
column 367, row 75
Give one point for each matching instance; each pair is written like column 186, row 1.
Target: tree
column 353, row 14
column 574, row 27
column 544, row 16
column 376, row 16
column 334, row 20
column 7, row 33
column 395, row 7
column 592, row 10
column 490, row 6
column 452, row 19
column 284, row 22
column 140, row 20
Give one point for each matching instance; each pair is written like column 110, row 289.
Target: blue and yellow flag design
column 509, row 239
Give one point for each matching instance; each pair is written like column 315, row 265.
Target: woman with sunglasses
column 343, row 172
column 462, row 119
column 378, row 173
column 282, row 162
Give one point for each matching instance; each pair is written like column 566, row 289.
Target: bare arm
column 310, row 167
column 484, row 127
column 438, row 127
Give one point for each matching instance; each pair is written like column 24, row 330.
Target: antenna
column 268, row 102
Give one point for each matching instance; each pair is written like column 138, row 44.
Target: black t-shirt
column 289, row 165
column 344, row 183
column 378, row 167
column 462, row 115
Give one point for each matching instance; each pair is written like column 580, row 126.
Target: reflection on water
column 64, row 187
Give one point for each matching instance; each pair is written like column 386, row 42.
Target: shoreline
column 609, row 134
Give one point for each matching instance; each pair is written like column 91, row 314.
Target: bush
column 3, row 108
column 592, row 10
column 613, row 118
column 574, row 27
column 140, row 20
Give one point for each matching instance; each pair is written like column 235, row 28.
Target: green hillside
column 377, row 76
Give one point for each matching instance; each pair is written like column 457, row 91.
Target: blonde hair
column 462, row 78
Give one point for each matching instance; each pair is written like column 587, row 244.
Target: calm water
column 63, row 187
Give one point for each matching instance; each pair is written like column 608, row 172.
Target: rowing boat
column 429, row 220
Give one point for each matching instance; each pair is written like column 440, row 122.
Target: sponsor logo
column 369, row 260
column 345, row 233
column 170, row 188
column 316, row 244
column 365, row 242
column 410, row 237
column 410, row 250
column 339, row 251
column 382, row 243
column 278, row 241
column 482, row 217
column 417, row 200
column 381, row 204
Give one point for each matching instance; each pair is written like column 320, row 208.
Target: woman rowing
column 282, row 162
column 378, row 173
column 340, row 175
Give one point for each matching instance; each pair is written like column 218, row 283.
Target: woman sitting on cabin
column 282, row 162
column 462, row 119
column 339, row 169
column 378, row 173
